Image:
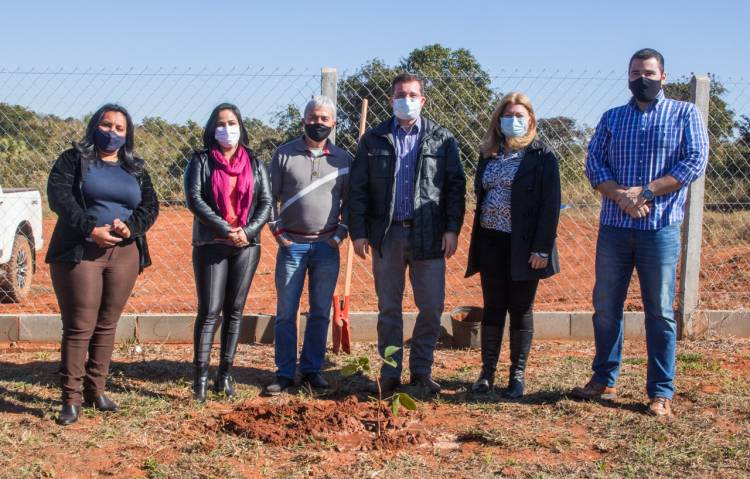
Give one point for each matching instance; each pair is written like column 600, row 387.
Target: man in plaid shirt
column 641, row 158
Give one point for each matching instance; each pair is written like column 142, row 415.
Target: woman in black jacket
column 227, row 189
column 105, row 203
column 517, row 187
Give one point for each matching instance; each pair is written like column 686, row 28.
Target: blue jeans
column 654, row 255
column 320, row 261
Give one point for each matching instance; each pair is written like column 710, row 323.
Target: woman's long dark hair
column 87, row 147
column 208, row 132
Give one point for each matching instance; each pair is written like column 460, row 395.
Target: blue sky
column 694, row 36
column 528, row 37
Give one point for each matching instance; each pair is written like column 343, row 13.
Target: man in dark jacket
column 407, row 201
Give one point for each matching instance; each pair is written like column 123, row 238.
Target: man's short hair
column 645, row 54
column 320, row 101
column 406, row 78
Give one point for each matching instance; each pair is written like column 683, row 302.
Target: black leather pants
column 223, row 275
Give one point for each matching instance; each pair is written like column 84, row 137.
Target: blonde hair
column 493, row 138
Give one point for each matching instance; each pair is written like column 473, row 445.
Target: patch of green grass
column 634, row 361
column 127, row 347
column 152, row 469
column 35, row 469
column 696, row 362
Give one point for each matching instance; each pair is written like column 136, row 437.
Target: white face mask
column 407, row 108
column 227, row 136
column 513, row 126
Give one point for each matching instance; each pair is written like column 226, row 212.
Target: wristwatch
column 647, row 194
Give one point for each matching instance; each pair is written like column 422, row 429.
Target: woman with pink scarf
column 227, row 189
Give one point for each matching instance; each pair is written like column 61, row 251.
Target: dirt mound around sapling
column 347, row 424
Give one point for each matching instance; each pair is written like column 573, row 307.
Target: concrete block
column 125, row 328
column 257, row 329
column 581, row 326
column 729, row 323
column 364, row 327
column 168, row 328
column 410, row 319
column 635, row 325
column 40, row 328
column 552, row 325
column 8, row 328
column 303, row 326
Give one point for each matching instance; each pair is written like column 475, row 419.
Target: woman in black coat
column 517, row 187
column 228, row 191
column 105, row 203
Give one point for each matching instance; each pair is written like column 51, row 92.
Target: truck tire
column 16, row 282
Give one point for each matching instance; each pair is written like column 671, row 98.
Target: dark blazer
column 208, row 223
column 439, row 193
column 534, row 213
column 65, row 197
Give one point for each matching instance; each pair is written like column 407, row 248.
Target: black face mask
column 317, row 131
column 108, row 141
column 645, row 89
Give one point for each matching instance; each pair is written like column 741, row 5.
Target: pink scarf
column 240, row 168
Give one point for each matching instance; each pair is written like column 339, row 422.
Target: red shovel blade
column 340, row 327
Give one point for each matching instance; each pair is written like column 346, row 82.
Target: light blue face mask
column 513, row 126
column 407, row 108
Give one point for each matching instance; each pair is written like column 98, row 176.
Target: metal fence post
column 328, row 86
column 692, row 232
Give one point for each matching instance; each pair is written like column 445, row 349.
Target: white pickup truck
column 20, row 239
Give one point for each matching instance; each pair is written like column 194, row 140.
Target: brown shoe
column 594, row 390
column 660, row 407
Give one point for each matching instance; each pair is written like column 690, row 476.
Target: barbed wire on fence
column 42, row 111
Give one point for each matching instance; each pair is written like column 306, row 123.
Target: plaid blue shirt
column 407, row 152
column 634, row 147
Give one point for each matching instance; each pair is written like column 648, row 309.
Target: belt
column 403, row 223
column 302, row 233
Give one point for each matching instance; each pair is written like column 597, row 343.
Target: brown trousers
column 91, row 295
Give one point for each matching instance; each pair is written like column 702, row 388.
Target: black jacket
column 534, row 213
column 65, row 197
column 439, row 193
column 208, row 223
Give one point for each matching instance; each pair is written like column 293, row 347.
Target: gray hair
column 319, row 101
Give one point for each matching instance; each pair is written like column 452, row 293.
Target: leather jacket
column 439, row 190
column 208, row 223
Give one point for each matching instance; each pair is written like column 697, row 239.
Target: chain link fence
column 41, row 112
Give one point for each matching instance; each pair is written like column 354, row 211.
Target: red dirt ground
column 350, row 424
column 167, row 286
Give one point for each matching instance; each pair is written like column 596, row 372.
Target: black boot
column 491, row 337
column 203, row 337
column 520, row 344
column 102, row 403
column 68, row 414
column 230, row 336
column 224, row 381
column 200, row 382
